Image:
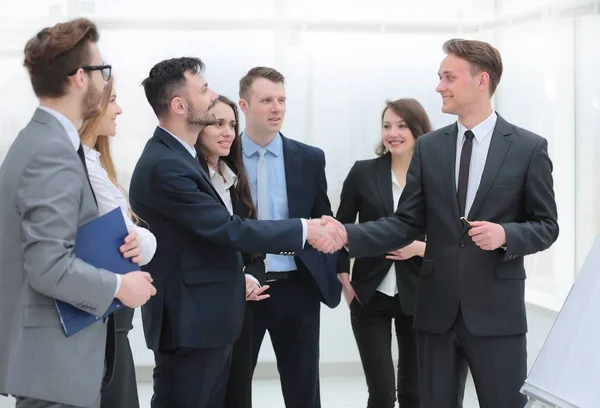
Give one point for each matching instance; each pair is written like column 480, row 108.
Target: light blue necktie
column 262, row 199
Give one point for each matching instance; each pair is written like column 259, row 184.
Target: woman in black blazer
column 383, row 288
column 219, row 151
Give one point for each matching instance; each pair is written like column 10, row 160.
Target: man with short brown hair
column 45, row 196
column 482, row 191
column 287, row 180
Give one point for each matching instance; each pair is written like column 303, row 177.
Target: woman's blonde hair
column 89, row 130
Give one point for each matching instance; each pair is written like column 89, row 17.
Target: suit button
column 511, row 256
column 462, row 244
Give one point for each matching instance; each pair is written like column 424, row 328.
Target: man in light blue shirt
column 287, row 180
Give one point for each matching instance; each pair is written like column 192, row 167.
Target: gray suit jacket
column 44, row 197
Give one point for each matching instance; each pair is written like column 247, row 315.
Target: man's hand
column 326, row 234
column 136, row 289
column 416, row 248
column 347, row 288
column 487, row 235
column 131, row 247
column 254, row 292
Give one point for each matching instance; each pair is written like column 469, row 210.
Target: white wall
column 341, row 64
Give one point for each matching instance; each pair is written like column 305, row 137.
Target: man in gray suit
column 44, row 196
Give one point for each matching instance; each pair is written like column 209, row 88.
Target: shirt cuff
column 253, row 278
column 118, row 284
column 304, row 231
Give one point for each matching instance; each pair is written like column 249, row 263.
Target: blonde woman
column 121, row 392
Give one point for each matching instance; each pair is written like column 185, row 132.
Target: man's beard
column 91, row 103
column 195, row 120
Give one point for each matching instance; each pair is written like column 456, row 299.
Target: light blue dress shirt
column 277, row 190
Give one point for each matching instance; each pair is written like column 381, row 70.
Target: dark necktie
column 463, row 173
column 82, row 157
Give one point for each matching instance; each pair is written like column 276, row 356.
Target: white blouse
column 110, row 197
column 223, row 182
column 388, row 285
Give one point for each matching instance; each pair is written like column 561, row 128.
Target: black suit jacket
column 254, row 263
column 307, row 198
column 516, row 191
column 367, row 191
column 197, row 268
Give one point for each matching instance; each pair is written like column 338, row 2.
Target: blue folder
column 97, row 243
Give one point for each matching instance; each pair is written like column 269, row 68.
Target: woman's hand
column 255, row 292
column 417, row 248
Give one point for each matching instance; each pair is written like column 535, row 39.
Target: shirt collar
column 189, row 148
column 67, row 124
column 481, row 130
column 91, row 154
column 228, row 175
column 249, row 147
column 395, row 180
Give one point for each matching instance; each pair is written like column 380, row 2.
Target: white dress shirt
column 389, row 284
column 481, row 146
column 222, row 183
column 73, row 135
column 110, row 197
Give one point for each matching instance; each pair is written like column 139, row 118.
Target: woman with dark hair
column 220, row 153
column 383, row 288
column 121, row 392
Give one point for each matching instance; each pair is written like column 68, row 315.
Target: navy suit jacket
column 487, row 287
column 307, row 198
column 197, row 268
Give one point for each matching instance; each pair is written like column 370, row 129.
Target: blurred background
column 342, row 60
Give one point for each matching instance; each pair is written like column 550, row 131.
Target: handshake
column 326, row 234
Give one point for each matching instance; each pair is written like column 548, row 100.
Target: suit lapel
column 384, row 183
column 448, row 152
column 499, row 145
column 292, row 158
column 170, row 141
column 41, row 116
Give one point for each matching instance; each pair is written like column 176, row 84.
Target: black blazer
column 367, row 191
column 516, row 191
column 307, row 198
column 197, row 268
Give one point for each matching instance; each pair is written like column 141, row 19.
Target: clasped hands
column 326, row 234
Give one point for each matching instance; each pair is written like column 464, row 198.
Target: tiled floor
column 336, row 392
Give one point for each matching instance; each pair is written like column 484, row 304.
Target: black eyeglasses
column 104, row 69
